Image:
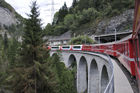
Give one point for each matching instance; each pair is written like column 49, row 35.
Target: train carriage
column 136, row 40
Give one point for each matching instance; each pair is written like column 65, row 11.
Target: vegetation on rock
column 6, row 5
column 86, row 14
column 81, row 40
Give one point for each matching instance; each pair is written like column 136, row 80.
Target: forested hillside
column 85, row 15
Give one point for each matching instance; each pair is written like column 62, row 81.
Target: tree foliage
column 49, row 29
column 34, row 75
column 31, row 69
column 86, row 11
column 62, row 13
column 66, row 77
column 81, row 40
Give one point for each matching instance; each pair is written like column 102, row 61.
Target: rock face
column 6, row 17
column 123, row 22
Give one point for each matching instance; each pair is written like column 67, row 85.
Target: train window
column 55, row 47
column 65, row 46
column 77, row 47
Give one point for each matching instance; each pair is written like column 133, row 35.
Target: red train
column 126, row 50
column 120, row 49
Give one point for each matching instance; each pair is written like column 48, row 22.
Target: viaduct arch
column 93, row 71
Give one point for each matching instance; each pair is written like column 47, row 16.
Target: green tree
column 49, row 29
column 55, row 18
column 5, row 41
column 62, row 13
column 83, row 4
column 73, row 9
column 74, row 3
column 13, row 52
column 89, row 14
column 69, row 19
column 60, row 29
column 91, row 3
column 65, row 76
column 34, row 74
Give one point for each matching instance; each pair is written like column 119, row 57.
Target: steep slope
column 93, row 17
column 7, row 14
column 7, row 17
column 10, row 21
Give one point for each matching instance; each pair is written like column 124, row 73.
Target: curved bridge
column 94, row 71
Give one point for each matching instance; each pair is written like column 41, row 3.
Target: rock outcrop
column 7, row 17
column 123, row 22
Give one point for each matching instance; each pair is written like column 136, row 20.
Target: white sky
column 45, row 7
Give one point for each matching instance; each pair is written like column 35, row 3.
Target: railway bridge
column 94, row 72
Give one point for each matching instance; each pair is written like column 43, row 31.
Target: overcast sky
column 22, row 7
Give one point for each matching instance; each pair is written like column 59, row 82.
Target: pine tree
column 91, row 3
column 62, row 13
column 74, row 3
column 32, row 38
column 83, row 4
column 5, row 41
column 72, row 9
column 34, row 74
column 65, row 76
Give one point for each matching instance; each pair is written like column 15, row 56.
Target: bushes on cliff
column 81, row 40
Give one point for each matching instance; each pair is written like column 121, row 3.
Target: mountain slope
column 10, row 21
column 93, row 17
column 7, row 14
column 7, row 17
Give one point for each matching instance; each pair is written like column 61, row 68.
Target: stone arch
column 72, row 61
column 93, row 77
column 104, row 79
column 72, row 64
column 82, row 75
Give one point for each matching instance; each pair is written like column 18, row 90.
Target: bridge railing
column 110, row 85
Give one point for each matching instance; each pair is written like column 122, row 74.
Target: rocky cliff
column 7, row 17
column 10, row 21
column 107, row 25
column 122, row 22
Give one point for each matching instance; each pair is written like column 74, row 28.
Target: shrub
column 81, row 40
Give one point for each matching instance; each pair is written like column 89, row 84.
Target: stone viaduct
column 94, row 72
